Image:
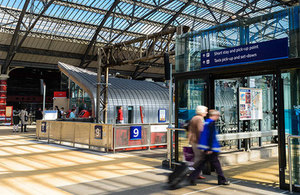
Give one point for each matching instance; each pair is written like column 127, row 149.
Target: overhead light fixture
column 233, row 17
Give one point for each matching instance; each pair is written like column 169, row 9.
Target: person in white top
column 24, row 118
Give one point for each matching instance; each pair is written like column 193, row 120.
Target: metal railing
column 150, row 137
column 290, row 160
column 220, row 137
column 108, row 136
column 170, row 143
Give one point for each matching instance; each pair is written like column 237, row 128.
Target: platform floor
column 31, row 167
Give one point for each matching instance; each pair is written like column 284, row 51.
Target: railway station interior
column 98, row 97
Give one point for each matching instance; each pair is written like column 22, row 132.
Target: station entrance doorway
column 259, row 107
column 246, row 104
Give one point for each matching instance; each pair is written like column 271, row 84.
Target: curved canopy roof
column 79, row 26
column 123, row 91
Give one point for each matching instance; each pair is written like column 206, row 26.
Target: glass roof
column 80, row 19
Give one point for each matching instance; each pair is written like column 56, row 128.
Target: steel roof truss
column 113, row 6
column 14, row 41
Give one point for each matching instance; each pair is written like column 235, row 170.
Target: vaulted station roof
column 43, row 32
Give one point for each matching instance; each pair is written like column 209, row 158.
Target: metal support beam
column 45, row 52
column 99, row 73
column 11, row 57
column 145, row 16
column 100, row 11
column 241, row 10
column 15, row 37
column 92, row 42
column 170, row 22
column 105, row 101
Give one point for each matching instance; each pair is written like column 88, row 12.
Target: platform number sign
column 135, row 132
column 44, row 127
column 98, row 132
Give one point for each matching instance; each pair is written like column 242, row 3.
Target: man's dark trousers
column 214, row 160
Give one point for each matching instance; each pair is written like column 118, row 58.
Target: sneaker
column 192, row 183
column 223, row 182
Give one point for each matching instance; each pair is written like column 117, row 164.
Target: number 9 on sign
column 135, row 132
column 98, row 132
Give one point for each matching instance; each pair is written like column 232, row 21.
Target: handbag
column 188, row 154
column 26, row 118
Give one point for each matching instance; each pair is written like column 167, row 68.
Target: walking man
column 210, row 148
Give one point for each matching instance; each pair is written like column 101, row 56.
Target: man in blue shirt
column 210, row 148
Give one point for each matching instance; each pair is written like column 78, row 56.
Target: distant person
column 210, row 148
column 16, row 120
column 120, row 118
column 58, row 112
column 72, row 114
column 24, row 118
column 38, row 114
column 195, row 129
column 62, row 112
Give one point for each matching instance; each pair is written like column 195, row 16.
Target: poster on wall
column 8, row 111
column 162, row 115
column 250, row 104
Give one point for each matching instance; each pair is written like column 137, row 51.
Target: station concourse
column 32, row 167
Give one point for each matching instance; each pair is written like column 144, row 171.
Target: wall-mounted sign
column 98, row 132
column 8, row 111
column 250, row 104
column 135, row 132
column 268, row 50
column 162, row 115
column 44, row 127
column 50, row 115
column 60, row 94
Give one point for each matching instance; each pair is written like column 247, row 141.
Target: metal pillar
column 99, row 73
column 44, row 99
column 105, row 96
column 170, row 132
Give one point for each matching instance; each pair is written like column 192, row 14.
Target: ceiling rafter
column 146, row 15
column 214, row 9
column 172, row 19
column 15, row 37
column 242, row 10
column 81, row 24
column 99, row 28
column 103, row 12
column 11, row 57
column 171, row 12
column 211, row 12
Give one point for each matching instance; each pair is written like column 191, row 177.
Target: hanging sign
column 268, row 50
column 250, row 104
